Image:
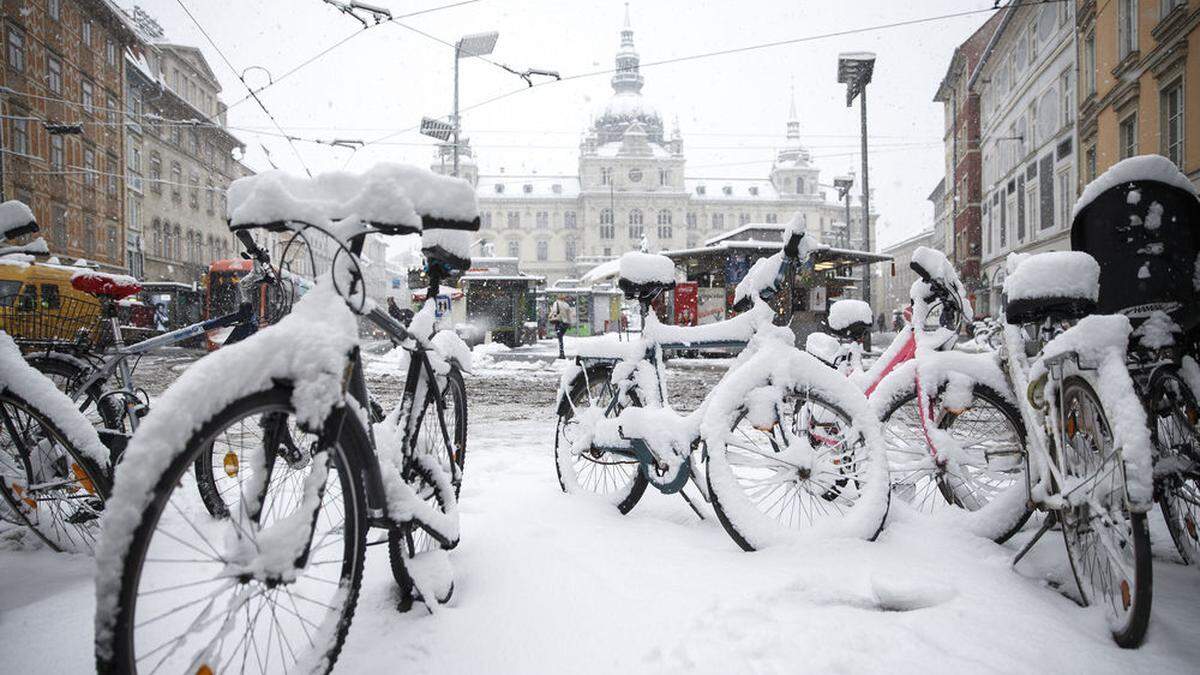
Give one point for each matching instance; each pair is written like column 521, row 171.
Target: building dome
column 627, row 105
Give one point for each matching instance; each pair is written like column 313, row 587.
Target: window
column 772, row 218
column 718, row 220
column 58, row 226
column 20, row 136
column 1031, row 209
column 1033, row 41
column 87, row 95
column 514, row 249
column 665, row 231
column 664, row 177
column 690, row 219
column 54, row 79
column 606, row 176
column 569, row 220
column 112, row 110
column 636, row 230
column 54, row 9
column 1066, row 198
column 1171, row 104
column 487, row 219
column 1127, row 40
column 87, row 33
column 112, row 168
column 543, row 220
column 1066, row 93
column 111, row 243
column 89, row 235
column 162, row 247
column 606, row 216
column 799, row 185
column 608, row 231
column 527, row 188
column 543, row 250
column 743, row 218
column 16, row 49
column 1089, row 159
column 514, row 219
column 571, row 248
column 1088, row 67
column 1127, row 136
column 664, row 217
column 155, row 173
column 57, row 157
column 89, row 167
column 176, row 182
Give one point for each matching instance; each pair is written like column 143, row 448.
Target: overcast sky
column 731, row 108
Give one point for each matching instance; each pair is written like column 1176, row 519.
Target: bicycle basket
column 72, row 321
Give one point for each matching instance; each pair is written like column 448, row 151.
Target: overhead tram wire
column 341, row 42
column 244, row 84
column 721, row 52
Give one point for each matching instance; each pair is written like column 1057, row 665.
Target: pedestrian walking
column 559, row 317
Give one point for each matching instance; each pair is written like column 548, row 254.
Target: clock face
column 635, row 175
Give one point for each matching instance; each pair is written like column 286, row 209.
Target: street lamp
column 477, row 44
column 843, row 185
column 854, row 70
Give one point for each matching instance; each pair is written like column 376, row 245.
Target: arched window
column 514, row 249
column 664, row 217
column 569, row 220
column 799, row 185
column 165, row 250
column 178, row 252
column 606, row 176
column 542, row 219
column 635, row 224
column 570, row 248
column 543, row 250
column 718, row 220
column 606, row 216
column 156, row 237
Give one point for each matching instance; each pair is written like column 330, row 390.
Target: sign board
column 442, row 306
column 711, row 305
column 686, row 307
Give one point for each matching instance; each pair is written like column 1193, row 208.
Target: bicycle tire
column 628, row 485
column 820, row 468
column 1005, row 513
column 116, row 643
column 49, row 517
column 1174, row 417
column 406, row 540
column 1135, row 598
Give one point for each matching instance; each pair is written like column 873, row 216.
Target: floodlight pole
column 457, row 54
column 866, row 201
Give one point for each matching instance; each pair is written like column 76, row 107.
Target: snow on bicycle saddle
column 644, row 275
column 849, row 319
column 16, row 219
column 115, row 286
column 1058, row 285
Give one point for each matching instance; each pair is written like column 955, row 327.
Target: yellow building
column 1139, row 83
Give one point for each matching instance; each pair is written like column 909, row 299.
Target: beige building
column 632, row 187
column 1139, row 83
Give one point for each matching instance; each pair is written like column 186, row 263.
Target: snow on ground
column 548, row 583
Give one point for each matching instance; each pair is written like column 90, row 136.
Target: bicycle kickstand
column 1050, row 522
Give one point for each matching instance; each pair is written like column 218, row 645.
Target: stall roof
column 825, row 254
column 503, row 277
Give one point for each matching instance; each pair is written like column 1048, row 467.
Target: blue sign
column 441, row 306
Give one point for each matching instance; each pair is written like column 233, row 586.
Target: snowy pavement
column 548, row 583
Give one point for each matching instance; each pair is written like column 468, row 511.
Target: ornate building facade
column 631, row 189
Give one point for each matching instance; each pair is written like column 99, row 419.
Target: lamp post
column 477, row 44
column 855, row 70
column 843, row 185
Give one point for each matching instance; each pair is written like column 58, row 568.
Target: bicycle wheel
column 795, row 462
column 68, row 373
column 1107, row 545
column 615, row 478
column 1175, row 427
column 274, row 585
column 46, row 483
column 984, row 449
column 433, row 460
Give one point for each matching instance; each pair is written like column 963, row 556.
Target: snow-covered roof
column 627, row 105
column 527, row 187
column 729, row 234
column 739, row 189
column 613, row 148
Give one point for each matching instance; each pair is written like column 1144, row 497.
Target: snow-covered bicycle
column 788, row 444
column 53, row 477
column 276, row 583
